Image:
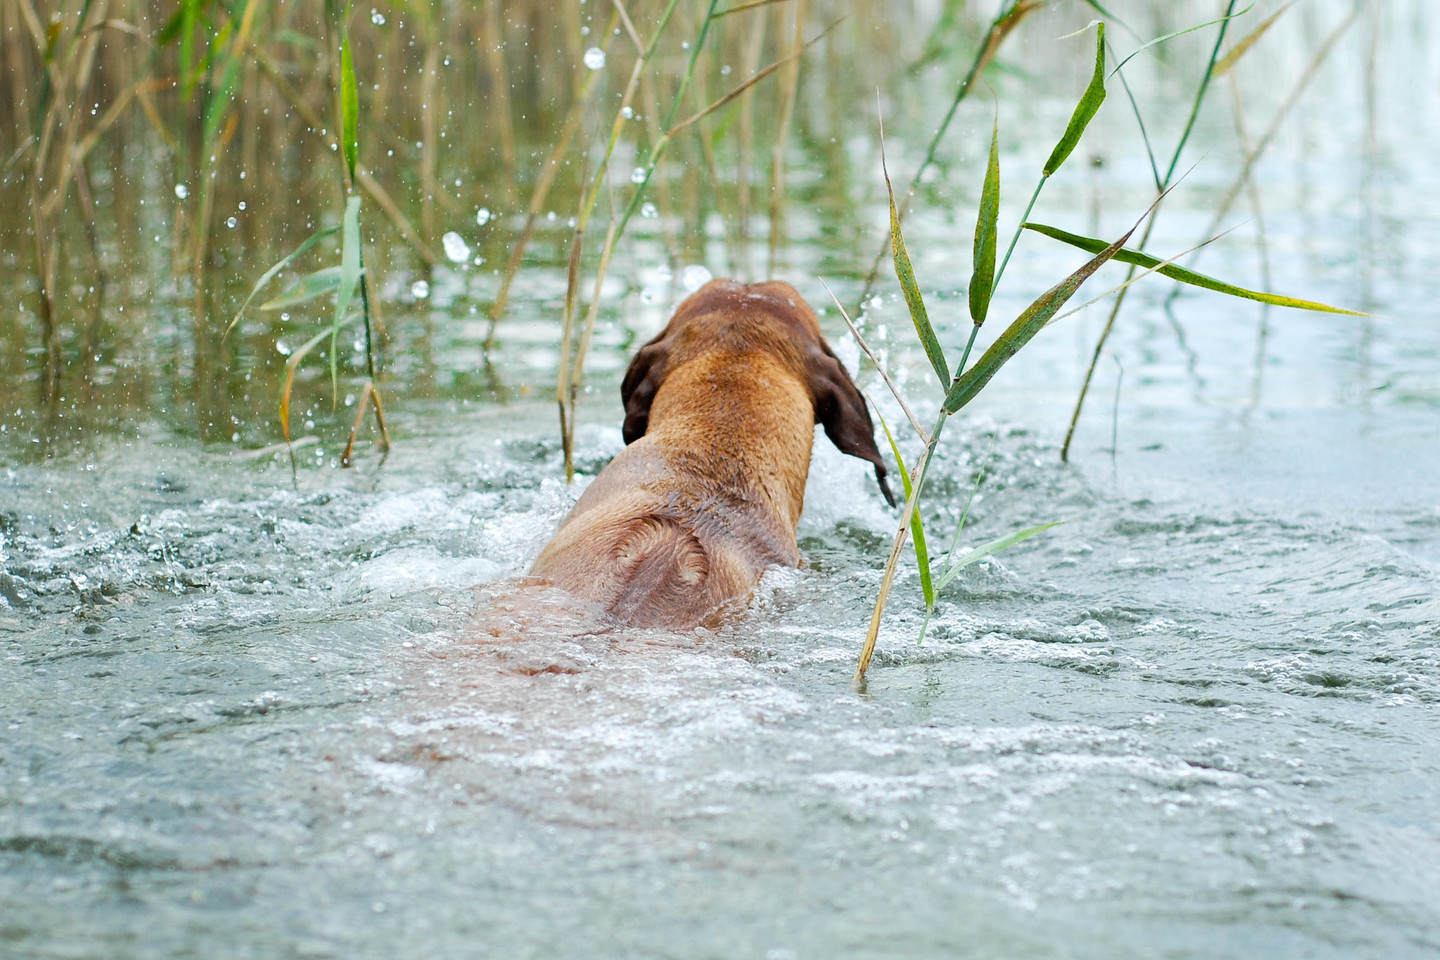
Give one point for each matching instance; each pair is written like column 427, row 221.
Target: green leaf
column 905, row 272
column 917, row 527
column 986, row 549
column 312, row 285
column 349, row 107
column 269, row 275
column 349, row 280
column 1174, row 272
column 1019, row 333
column 1243, row 47
column 1090, row 101
column 982, row 279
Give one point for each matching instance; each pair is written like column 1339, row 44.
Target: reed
column 969, row 380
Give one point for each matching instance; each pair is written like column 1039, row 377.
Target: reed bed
column 250, row 211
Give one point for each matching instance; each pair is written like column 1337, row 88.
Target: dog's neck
column 745, row 421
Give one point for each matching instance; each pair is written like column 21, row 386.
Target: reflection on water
column 248, row 717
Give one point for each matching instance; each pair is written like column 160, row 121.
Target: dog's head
column 771, row 316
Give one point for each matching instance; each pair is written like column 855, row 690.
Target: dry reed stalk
column 789, row 87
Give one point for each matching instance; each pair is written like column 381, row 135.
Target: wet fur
column 720, row 414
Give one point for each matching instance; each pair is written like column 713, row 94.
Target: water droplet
column 349, row 399
column 377, row 18
column 482, row 216
column 648, row 211
column 182, row 191
column 242, row 204
column 419, row 289
column 694, row 277
column 637, row 175
column 456, row 249
column 231, row 222
column 627, row 112
column 282, row 348
column 725, row 70
column 595, row 58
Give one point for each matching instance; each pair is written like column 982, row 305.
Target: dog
column 720, row 415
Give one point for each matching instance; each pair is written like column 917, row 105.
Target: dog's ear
column 841, row 410
column 637, row 390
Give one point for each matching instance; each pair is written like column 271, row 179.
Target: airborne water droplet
column 419, row 289
column 648, row 211
column 595, row 58
column 482, row 216
column 456, row 249
column 694, row 277
column 377, row 18
column 637, row 175
column 182, row 191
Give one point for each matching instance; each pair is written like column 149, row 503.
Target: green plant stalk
column 1145, row 237
column 1085, row 111
column 1005, row 21
column 1016, row 238
column 922, row 466
column 917, row 525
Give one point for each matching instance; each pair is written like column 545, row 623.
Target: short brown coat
column 720, row 410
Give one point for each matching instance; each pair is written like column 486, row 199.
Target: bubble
column 595, row 58
column 725, row 70
column 648, row 211
column 694, row 277
column 483, row 215
column 637, row 175
column 456, row 249
column 377, row 18
column 419, row 289
column 628, row 112
column 282, row 348
column 231, row 222
column 182, row 191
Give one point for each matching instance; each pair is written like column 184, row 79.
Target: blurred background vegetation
column 158, row 158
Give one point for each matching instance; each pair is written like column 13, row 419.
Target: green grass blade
column 1090, row 101
column 986, row 549
column 917, row 527
column 1092, row 245
column 218, row 103
column 349, row 279
column 1019, row 333
column 1224, row 64
column 312, row 285
column 1179, row 33
column 982, row 279
column 270, row 274
column 349, row 107
column 905, row 272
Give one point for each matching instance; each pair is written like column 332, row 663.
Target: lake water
column 245, row 717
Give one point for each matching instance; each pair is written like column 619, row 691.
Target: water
column 249, row 717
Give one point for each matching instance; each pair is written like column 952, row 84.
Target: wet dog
column 720, row 415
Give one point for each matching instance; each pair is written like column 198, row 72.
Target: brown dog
column 720, row 414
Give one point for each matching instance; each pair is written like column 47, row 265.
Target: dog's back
column 720, row 416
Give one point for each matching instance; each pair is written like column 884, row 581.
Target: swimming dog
column 720, row 415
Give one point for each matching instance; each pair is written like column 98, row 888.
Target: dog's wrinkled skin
column 720, row 414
